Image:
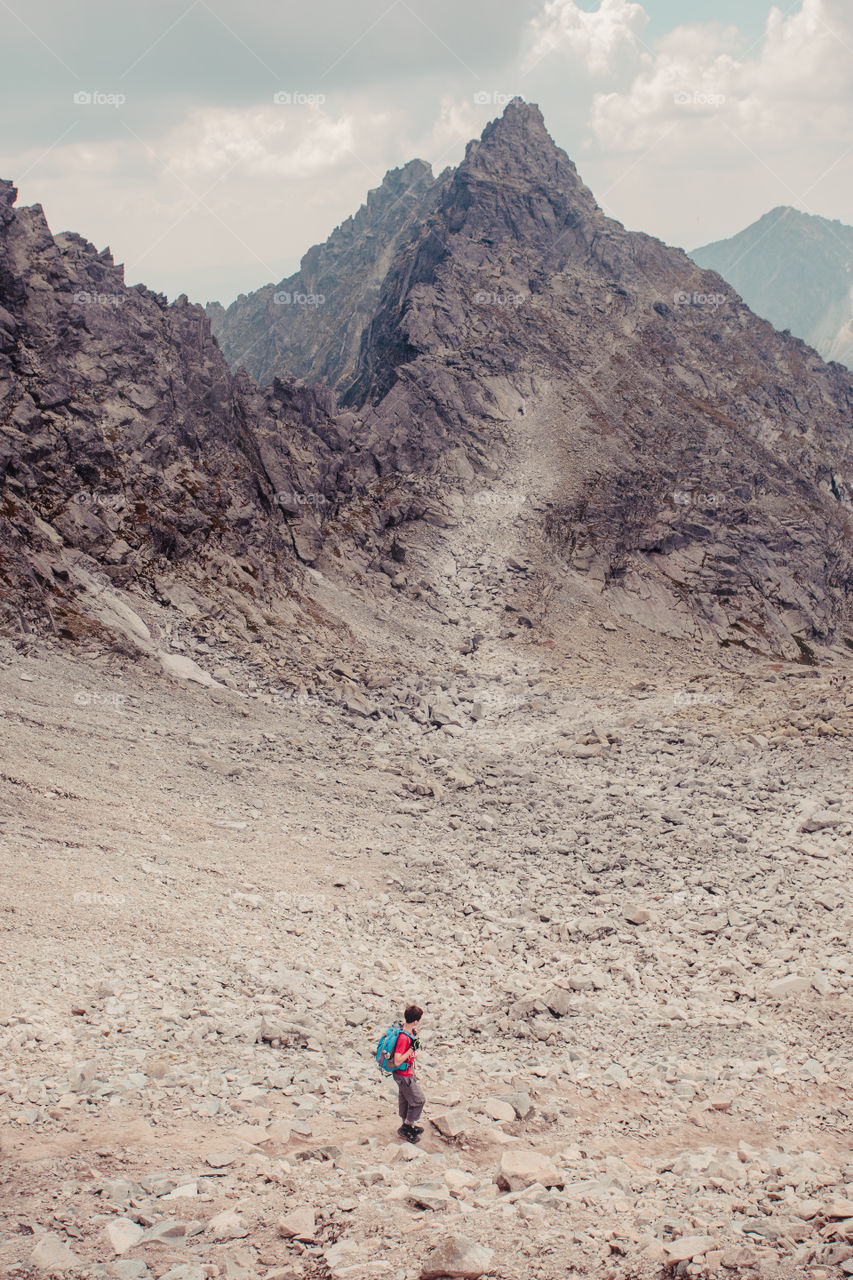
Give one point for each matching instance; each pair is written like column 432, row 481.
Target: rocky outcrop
column 125, row 439
column 311, row 324
column 796, row 270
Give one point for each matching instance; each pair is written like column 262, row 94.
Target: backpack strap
column 409, row 1038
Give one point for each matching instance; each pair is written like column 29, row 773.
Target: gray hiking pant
column 411, row 1099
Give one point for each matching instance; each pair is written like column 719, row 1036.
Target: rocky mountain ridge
column 546, row 414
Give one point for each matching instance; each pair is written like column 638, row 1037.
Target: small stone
column 520, row 1103
column 123, row 1234
column 457, row 1256
column 499, row 1110
column 299, row 1224
column 688, row 1247
column 52, row 1254
column 520, row 1169
column 228, row 1225
column 429, row 1195
column 128, row 1269
column 221, row 1159
column 450, row 1124
column 823, row 820
column 790, row 985
column 185, row 1271
column 720, row 1101
column 359, row 705
column 559, row 1001
column 636, row 915
column 168, row 1229
column 238, row 1265
column 838, row 1209
column 460, row 1180
column 183, row 668
column 340, row 1253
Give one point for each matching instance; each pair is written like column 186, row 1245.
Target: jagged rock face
column 123, row 435
column 796, row 270
column 679, row 452
column 311, row 324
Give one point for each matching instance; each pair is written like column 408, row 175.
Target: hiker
column 411, row 1095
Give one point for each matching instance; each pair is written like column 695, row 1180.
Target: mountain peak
column 516, row 181
column 519, row 130
column 518, row 114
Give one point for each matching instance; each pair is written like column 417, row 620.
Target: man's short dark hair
column 414, row 1013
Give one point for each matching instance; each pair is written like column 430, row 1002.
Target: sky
column 209, row 143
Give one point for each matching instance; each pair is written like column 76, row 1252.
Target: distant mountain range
column 796, row 270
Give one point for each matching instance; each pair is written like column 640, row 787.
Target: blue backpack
column 385, row 1048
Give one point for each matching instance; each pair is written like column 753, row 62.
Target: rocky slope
column 618, row 884
column 311, row 324
column 128, row 450
column 796, row 270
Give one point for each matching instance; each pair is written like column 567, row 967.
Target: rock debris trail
column 623, row 900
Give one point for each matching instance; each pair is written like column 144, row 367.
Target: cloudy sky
column 210, row 142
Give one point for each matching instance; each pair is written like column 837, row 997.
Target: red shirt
column 404, row 1043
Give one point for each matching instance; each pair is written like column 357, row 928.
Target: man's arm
column 400, row 1058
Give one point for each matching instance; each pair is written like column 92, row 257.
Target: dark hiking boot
column 417, row 1128
column 408, row 1132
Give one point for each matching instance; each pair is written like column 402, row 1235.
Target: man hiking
column 411, row 1095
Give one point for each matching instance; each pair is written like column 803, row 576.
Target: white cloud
column 795, row 87
column 695, row 134
column 214, row 198
column 286, row 140
column 603, row 42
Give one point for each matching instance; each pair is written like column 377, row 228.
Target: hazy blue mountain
column 796, row 270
